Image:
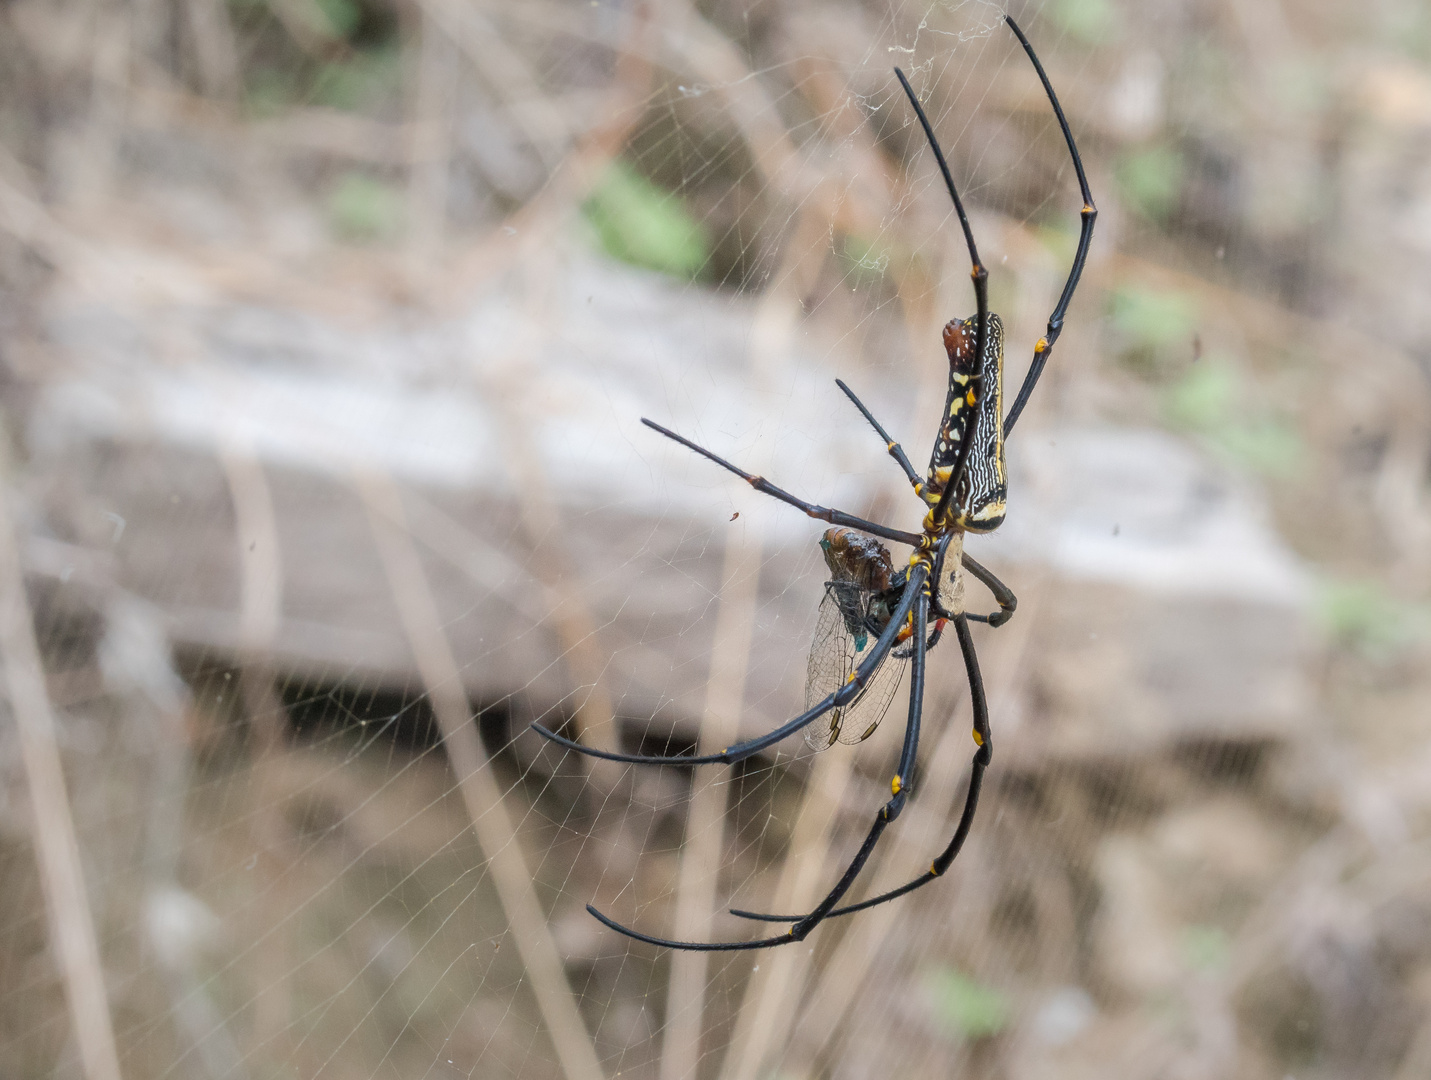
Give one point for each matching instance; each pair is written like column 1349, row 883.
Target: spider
column 964, row 490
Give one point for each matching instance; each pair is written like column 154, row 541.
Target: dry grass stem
column 548, row 560
column 217, row 49
column 442, row 678
column 704, row 846
column 72, row 926
column 507, row 72
column 430, row 132
column 260, row 616
column 535, row 227
column 773, row 992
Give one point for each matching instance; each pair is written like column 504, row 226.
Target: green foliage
column 342, row 16
column 1301, row 85
column 1090, row 21
column 1150, row 180
column 268, row 92
column 639, row 223
column 363, row 209
column 1266, row 445
column 1059, row 238
column 1213, row 400
column 363, row 79
column 1204, row 397
column 1151, row 320
column 969, row 1009
column 1205, row 948
column 1364, row 616
column 865, row 263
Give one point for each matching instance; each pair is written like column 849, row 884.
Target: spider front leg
column 917, row 595
column 895, row 450
column 1087, row 217
column 759, row 483
column 740, row 751
column 983, row 739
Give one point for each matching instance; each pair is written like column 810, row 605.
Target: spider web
column 328, row 328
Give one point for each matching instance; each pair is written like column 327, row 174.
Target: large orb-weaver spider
column 964, row 491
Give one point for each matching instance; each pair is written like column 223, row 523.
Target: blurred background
column 326, row 327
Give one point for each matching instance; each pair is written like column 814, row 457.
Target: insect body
column 876, row 622
column 859, row 601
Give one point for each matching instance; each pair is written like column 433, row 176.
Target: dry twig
column 71, row 920
column 442, row 678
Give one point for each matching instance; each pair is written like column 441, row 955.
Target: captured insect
column 875, row 622
column 856, row 609
column 859, row 600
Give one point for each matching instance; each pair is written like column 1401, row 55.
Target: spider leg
column 1002, row 593
column 891, row 810
column 981, row 300
column 913, row 590
column 895, row 450
column 759, row 483
column 984, row 739
column 1085, row 237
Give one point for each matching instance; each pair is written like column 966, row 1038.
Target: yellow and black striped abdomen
column 981, row 493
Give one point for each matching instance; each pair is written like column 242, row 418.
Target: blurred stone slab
column 1171, row 605
column 535, row 394
column 1171, row 609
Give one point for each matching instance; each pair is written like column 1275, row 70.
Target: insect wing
column 832, row 651
column 834, row 655
column 863, row 715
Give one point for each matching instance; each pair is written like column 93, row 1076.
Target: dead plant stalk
column 442, row 678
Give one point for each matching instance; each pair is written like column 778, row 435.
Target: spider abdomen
column 981, row 492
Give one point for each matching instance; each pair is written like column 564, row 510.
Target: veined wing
column 835, row 652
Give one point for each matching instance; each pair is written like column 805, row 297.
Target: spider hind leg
column 899, row 794
column 983, row 738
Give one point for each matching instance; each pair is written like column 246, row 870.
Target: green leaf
column 1153, row 319
column 363, row 208
column 1204, row 397
column 1266, row 445
column 1205, row 948
column 343, row 16
column 1364, row 615
column 268, row 92
column 865, row 263
column 642, row 224
column 1214, row 400
column 971, row 1010
column 372, row 75
column 1151, row 179
column 1090, row 21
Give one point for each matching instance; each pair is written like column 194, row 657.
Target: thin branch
column 773, row 993
column 704, row 845
column 430, row 142
column 260, row 616
column 442, row 678
column 71, row 920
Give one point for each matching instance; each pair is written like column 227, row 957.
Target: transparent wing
column 863, row 714
column 834, row 654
